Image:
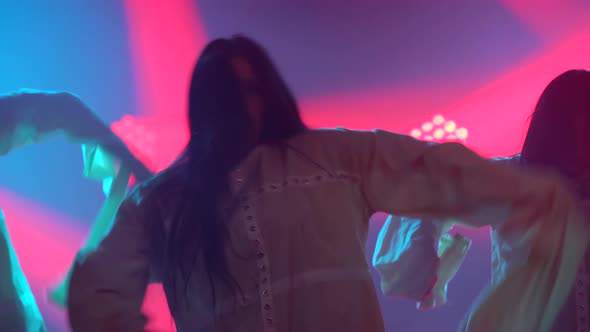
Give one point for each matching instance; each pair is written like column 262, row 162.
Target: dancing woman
column 262, row 224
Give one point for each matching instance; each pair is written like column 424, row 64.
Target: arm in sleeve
column 416, row 259
column 107, row 285
column 406, row 257
column 407, row 177
column 80, row 124
column 53, row 112
column 448, row 182
column 43, row 110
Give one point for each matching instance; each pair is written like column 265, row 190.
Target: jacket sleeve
column 107, row 285
column 449, row 183
column 406, row 257
column 55, row 112
column 416, row 259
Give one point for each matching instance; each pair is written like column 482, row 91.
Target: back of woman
column 297, row 226
column 255, row 200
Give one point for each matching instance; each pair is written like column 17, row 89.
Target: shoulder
column 347, row 137
column 325, row 134
column 366, row 143
column 510, row 161
column 353, row 150
column 330, row 142
column 342, row 132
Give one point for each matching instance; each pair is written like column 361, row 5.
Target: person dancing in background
column 558, row 138
column 261, row 224
column 28, row 117
column 18, row 308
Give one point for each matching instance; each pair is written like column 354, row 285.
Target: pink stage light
column 156, row 141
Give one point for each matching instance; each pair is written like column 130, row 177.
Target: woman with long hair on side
column 261, row 224
column 558, row 139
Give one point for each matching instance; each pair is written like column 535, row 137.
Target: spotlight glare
column 438, row 119
column 439, row 133
column 462, row 133
column 427, row 126
column 415, row 133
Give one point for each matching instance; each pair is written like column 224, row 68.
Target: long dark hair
column 221, row 135
column 550, row 140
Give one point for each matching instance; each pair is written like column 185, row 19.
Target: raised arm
column 409, row 251
column 449, row 182
column 39, row 114
column 444, row 182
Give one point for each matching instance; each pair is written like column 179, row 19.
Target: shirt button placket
column 252, row 229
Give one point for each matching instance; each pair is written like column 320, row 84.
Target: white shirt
column 301, row 220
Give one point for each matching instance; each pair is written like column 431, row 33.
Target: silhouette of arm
column 49, row 113
column 449, row 182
